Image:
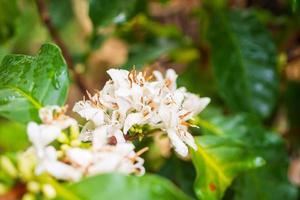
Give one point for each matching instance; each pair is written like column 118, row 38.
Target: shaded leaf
column 114, row 186
column 28, row 83
column 244, row 61
column 104, row 12
column 9, row 12
column 61, row 12
column 142, row 54
column 179, row 172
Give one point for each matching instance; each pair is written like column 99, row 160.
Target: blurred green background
column 243, row 54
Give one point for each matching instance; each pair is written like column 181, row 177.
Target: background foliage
column 244, row 55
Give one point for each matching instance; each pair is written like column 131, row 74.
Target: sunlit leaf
column 257, row 183
column 28, row 83
column 218, row 161
column 12, row 136
column 104, row 12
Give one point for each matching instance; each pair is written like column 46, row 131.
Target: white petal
column 100, row 137
column 65, row 122
column 194, row 103
column 119, row 77
column 158, row 75
column 42, row 135
column 86, row 133
column 171, row 76
column 46, row 113
column 107, row 162
column 188, row 138
column 62, row 171
column 119, row 136
column 81, row 157
column 203, row 103
column 89, row 112
column 131, row 119
column 178, row 96
column 177, row 143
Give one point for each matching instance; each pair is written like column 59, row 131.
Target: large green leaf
column 255, row 184
column 218, row 161
column 104, row 12
column 258, row 183
column 244, row 61
column 115, row 186
column 28, row 83
column 12, row 136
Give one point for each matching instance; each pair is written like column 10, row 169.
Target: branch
column 15, row 193
column 45, row 17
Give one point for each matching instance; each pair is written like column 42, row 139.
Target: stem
column 45, row 17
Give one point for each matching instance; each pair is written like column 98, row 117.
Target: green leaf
column 28, row 83
column 9, row 12
column 12, row 136
column 61, row 12
column 257, row 183
column 104, row 12
column 179, row 172
column 115, row 186
column 142, row 54
column 218, row 161
column 244, row 61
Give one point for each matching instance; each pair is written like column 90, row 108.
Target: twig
column 45, row 17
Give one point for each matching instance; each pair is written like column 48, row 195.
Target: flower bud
column 49, row 191
column 65, row 147
column 8, row 167
column 28, row 196
column 75, row 143
column 3, row 189
column 26, row 162
column 62, row 138
column 33, row 187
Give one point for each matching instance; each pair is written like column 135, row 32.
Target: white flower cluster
column 77, row 161
column 128, row 99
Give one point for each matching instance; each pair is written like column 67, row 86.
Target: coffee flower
column 131, row 98
column 74, row 162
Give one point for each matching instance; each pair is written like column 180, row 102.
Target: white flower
column 87, row 110
column 41, row 135
column 55, row 115
column 170, row 79
column 120, row 158
column 109, row 158
column 49, row 163
column 194, row 104
column 129, row 98
column 80, row 157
